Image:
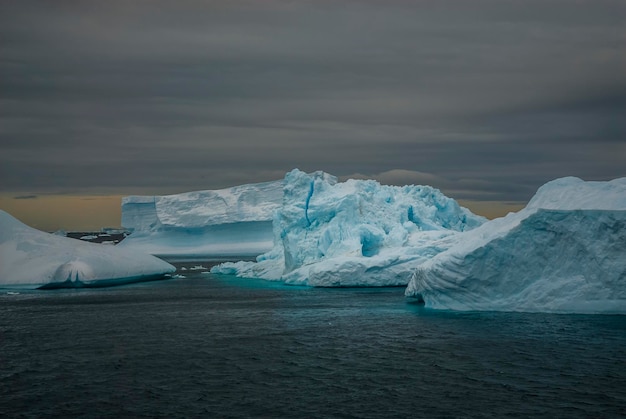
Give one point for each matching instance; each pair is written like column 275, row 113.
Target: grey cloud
column 490, row 98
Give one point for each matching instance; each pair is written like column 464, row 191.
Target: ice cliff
column 565, row 252
column 354, row 233
column 33, row 259
column 220, row 223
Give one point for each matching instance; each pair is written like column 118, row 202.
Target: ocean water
column 211, row 346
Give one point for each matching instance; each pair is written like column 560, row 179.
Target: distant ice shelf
column 30, row 258
column 222, row 223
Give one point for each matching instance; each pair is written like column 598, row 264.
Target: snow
column 219, row 223
column 33, row 259
column 564, row 252
column 354, row 233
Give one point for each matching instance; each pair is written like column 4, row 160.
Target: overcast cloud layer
column 484, row 99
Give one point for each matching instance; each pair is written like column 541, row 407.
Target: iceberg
column 564, row 252
column 354, row 233
column 222, row 223
column 30, row 258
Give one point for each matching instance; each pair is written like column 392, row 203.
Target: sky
column 486, row 100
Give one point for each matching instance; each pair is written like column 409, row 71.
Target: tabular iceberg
column 564, row 252
column 354, row 233
column 235, row 221
column 33, row 259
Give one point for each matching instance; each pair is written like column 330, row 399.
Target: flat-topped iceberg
column 564, row 252
column 234, row 221
column 354, row 233
column 33, row 259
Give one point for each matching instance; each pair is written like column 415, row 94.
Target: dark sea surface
column 217, row 346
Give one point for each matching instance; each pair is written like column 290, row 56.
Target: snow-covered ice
column 354, row 233
column 33, row 259
column 564, row 252
column 235, row 221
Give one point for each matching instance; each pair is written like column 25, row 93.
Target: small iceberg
column 33, row 259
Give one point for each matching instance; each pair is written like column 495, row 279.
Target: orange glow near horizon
column 92, row 213
column 65, row 212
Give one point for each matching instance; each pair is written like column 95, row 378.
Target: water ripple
column 209, row 347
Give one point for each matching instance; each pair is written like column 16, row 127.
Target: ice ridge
column 564, row 252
